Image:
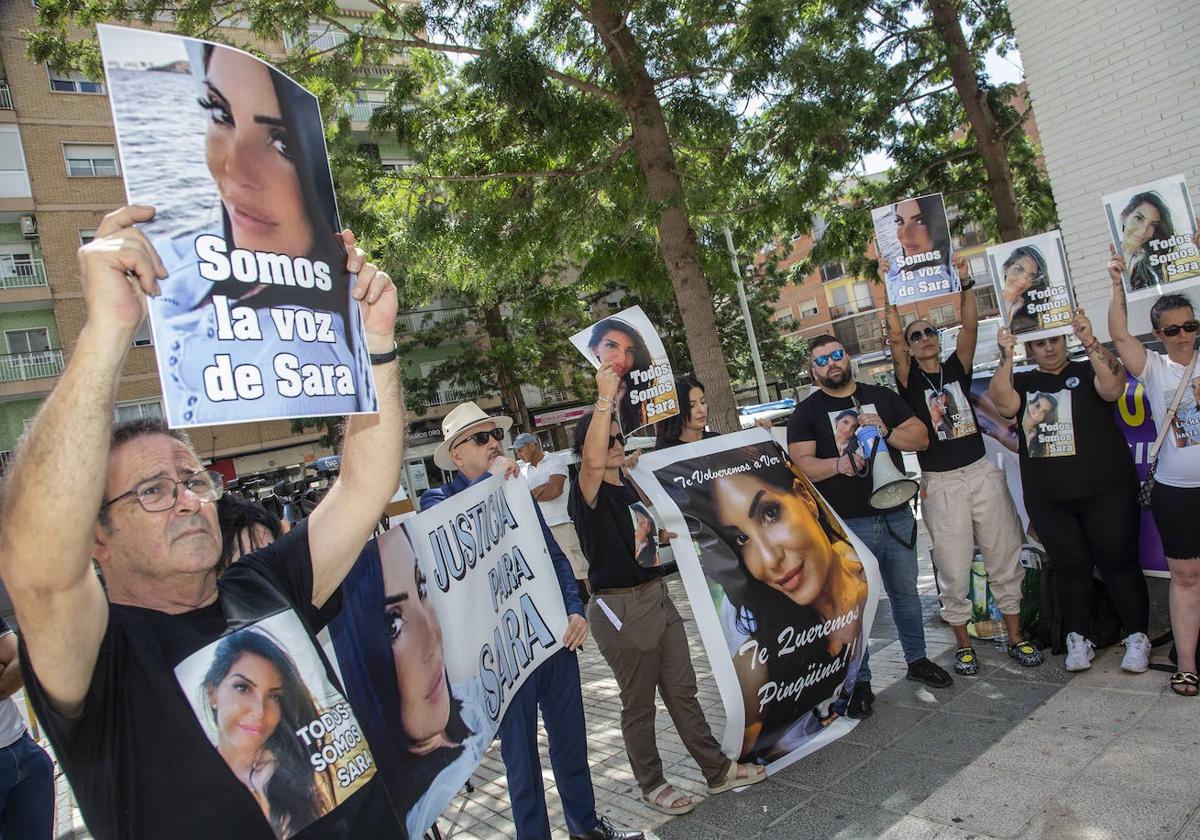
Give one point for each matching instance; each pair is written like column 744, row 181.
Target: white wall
column 1116, row 89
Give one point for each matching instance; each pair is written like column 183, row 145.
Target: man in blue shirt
column 472, row 445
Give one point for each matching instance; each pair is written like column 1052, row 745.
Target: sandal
column 739, row 775
column 669, row 804
column 1185, row 683
column 1025, row 653
column 965, row 662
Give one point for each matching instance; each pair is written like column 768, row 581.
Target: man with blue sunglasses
column 824, row 442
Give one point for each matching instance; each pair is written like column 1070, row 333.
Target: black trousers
column 1101, row 532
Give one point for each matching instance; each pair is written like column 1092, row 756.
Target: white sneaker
column 1137, row 654
column 1080, row 653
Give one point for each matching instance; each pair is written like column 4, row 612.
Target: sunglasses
column 1173, row 330
column 915, row 335
column 836, row 355
column 481, row 438
column 613, row 440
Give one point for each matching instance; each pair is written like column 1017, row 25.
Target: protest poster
column 630, row 343
column 1153, row 226
column 1033, row 285
column 913, row 235
column 441, row 622
column 255, row 320
column 263, row 690
column 783, row 594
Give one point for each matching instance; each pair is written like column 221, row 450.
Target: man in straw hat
column 472, row 446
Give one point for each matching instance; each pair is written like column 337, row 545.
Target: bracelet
column 1089, row 348
column 604, row 409
column 888, row 433
column 384, row 358
column 967, row 285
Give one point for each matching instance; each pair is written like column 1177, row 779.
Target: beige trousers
column 965, row 507
column 568, row 541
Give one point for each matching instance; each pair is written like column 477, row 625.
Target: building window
column 138, row 410
column 985, row 301
column 832, row 271
column 972, row 236
column 784, row 318
column 87, row 161
column 809, row 308
column 979, row 267
column 86, row 235
column 939, row 315
column 370, row 151
column 143, row 336
column 73, row 83
column 395, row 166
column 27, row 341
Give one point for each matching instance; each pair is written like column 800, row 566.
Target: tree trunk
column 677, row 240
column 510, row 388
column 979, row 115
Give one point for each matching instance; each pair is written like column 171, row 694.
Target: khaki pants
column 568, row 541
column 651, row 651
column 964, row 507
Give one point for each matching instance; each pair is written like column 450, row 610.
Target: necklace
column 940, row 387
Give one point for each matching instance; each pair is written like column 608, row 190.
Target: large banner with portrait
column 441, row 622
column 255, row 320
column 1033, row 285
column 783, row 593
column 913, row 235
column 630, row 343
column 1153, row 226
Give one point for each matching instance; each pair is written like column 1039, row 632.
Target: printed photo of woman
column 784, row 567
column 845, row 425
column 427, row 735
column 257, row 701
column 913, row 234
column 616, row 342
column 1040, row 409
column 1144, row 218
column 645, row 537
column 1025, row 273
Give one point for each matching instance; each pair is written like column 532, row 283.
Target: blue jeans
column 26, row 791
column 898, row 568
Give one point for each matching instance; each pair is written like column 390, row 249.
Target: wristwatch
column 384, row 358
column 968, row 284
column 888, row 433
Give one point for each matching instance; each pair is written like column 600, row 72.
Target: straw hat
column 458, row 421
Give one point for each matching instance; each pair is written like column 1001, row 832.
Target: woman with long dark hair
column 258, row 701
column 1025, row 272
column 619, row 344
column 1145, row 218
column 272, row 250
column 426, row 738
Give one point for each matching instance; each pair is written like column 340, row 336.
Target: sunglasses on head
column 836, row 355
column 1173, row 330
column 481, row 438
column 915, row 335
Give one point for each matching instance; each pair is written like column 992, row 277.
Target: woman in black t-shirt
column 633, row 620
column 689, row 424
column 1079, row 482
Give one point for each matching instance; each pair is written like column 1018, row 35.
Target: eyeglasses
column 481, row 438
column 836, row 355
column 158, row 494
column 613, row 440
column 1173, row 330
column 915, row 335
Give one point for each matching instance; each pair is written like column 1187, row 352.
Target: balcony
column 6, row 461
column 316, row 39
column 450, row 396
column 22, row 367
column 362, row 111
column 21, row 274
column 5, row 96
column 846, row 309
column 412, row 322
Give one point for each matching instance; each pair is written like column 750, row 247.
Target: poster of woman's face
column 256, row 320
column 1033, row 285
column 1153, row 226
column 262, row 697
column 913, row 235
column 791, row 590
column 630, row 343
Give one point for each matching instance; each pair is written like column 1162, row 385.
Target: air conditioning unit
column 29, row 227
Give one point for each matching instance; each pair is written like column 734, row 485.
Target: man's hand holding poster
column 629, row 342
column 441, row 622
column 913, row 237
column 1153, row 228
column 1033, row 285
column 784, row 595
column 256, row 319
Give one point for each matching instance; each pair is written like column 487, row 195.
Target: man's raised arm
column 54, row 492
column 373, row 452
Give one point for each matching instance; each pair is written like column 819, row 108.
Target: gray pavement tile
column 1091, row 709
column 1050, row 671
column 1124, row 766
column 745, row 813
column 888, row 723
column 1172, row 719
column 831, row 817
column 1106, row 673
column 916, row 828
column 899, row 780
column 954, row 737
column 980, row 799
column 1002, row 699
column 823, row 769
column 1083, row 811
column 1050, row 751
column 1191, row 831
column 679, row 829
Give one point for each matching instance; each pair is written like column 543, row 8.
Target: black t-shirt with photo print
column 817, row 418
column 139, row 760
column 607, row 538
column 954, row 441
column 1069, row 443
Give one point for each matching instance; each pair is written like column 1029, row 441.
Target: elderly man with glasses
column 472, row 446
column 966, row 497
column 106, row 668
column 828, row 437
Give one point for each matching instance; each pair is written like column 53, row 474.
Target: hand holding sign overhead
column 375, row 293
column 120, row 268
